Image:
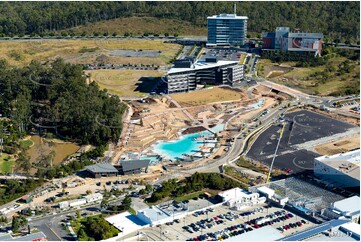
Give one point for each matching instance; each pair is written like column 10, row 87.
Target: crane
column 274, row 155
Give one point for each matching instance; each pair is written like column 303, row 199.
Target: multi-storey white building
column 185, row 75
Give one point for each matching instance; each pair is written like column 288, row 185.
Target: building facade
column 102, row 170
column 185, row 76
column 342, row 170
column 227, row 29
column 284, row 39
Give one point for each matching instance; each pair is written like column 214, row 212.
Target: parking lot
column 222, row 54
column 221, row 223
column 303, row 126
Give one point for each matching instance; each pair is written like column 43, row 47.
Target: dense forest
column 338, row 19
column 55, row 99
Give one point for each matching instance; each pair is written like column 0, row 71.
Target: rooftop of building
column 301, row 191
column 307, row 35
column 227, row 16
column 129, row 165
column 266, row 233
column 101, row 167
column 201, row 65
column 154, row 213
column 313, row 231
column 350, row 205
column 348, row 163
column 28, row 237
column 234, row 193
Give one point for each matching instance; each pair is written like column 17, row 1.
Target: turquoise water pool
column 258, row 104
column 186, row 144
column 153, row 159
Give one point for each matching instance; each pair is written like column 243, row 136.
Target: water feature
column 258, row 104
column 186, row 144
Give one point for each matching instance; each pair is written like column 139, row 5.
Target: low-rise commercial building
column 93, row 197
column 102, row 169
column 39, row 236
column 348, row 208
column 128, row 167
column 238, row 198
column 342, row 170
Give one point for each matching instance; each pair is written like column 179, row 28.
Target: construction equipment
column 275, row 154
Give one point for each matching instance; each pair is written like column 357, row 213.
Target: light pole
column 122, row 233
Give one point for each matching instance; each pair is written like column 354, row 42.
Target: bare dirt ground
column 215, row 94
column 339, row 146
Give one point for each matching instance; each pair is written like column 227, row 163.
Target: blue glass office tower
column 227, row 29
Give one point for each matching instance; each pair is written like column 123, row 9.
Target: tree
column 15, row 225
column 149, row 187
column 82, row 234
column 127, row 202
column 78, row 215
column 104, row 204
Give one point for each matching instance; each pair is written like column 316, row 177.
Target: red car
column 215, row 218
column 299, row 224
column 257, row 226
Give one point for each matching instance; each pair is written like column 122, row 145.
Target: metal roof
column 129, row 165
column 348, row 205
column 29, row 237
column 315, row 230
column 201, row 65
column 266, row 233
column 101, row 167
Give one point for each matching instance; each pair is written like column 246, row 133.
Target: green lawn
column 25, row 144
column 6, row 164
column 188, row 196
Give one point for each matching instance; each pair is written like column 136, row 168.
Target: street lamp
column 122, row 233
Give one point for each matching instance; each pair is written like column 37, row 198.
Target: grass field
column 21, row 52
column 309, row 79
column 6, row 164
column 25, row 144
column 206, row 96
column 126, row 83
column 140, row 25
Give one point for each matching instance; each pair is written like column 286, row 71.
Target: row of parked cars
column 292, row 225
column 270, row 219
column 224, row 234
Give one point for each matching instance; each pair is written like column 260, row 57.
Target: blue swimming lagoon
column 186, row 144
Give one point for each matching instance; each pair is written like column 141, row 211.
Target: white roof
column 154, row 213
column 352, row 156
column 227, row 16
column 266, row 190
column 266, row 233
column 200, row 65
column 349, row 205
column 234, row 193
column 126, row 222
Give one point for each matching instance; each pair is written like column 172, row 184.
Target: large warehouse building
column 227, row 29
column 341, row 169
column 186, row 74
